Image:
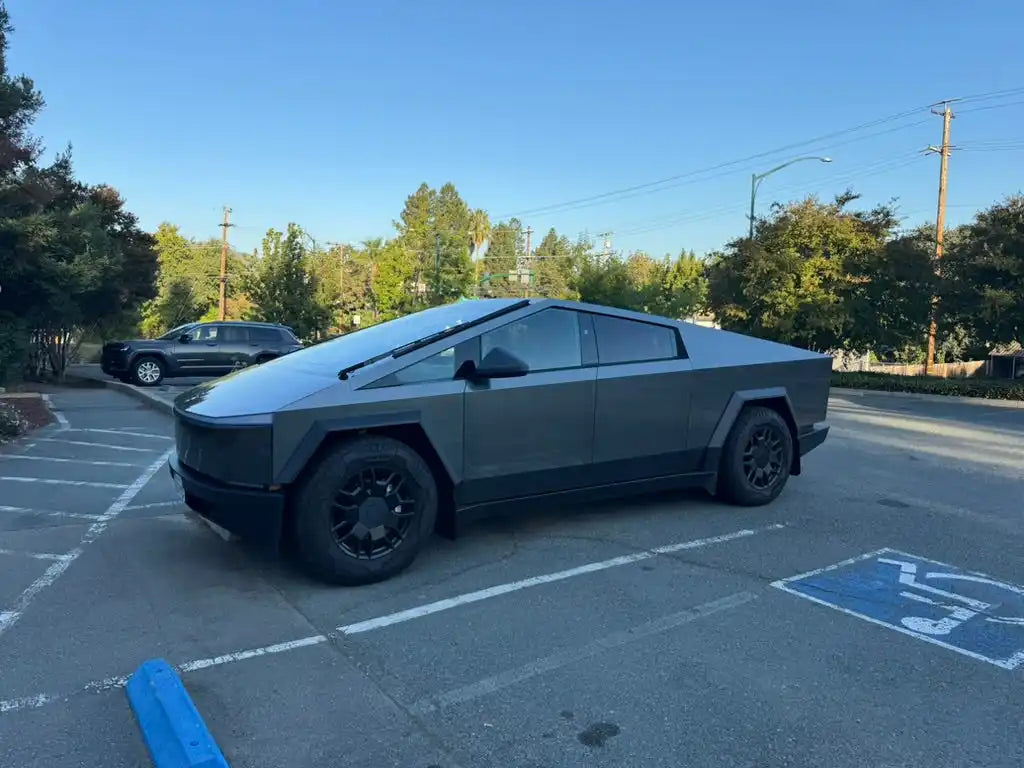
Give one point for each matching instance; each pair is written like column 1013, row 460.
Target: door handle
column 211, row 343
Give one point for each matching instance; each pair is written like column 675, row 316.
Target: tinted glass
column 379, row 339
column 439, row 367
column 545, row 341
column 233, row 334
column 265, row 335
column 630, row 341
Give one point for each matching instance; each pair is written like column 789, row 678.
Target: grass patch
column 992, row 389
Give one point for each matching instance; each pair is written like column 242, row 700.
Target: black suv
column 197, row 349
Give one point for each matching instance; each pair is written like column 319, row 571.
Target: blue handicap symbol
column 961, row 610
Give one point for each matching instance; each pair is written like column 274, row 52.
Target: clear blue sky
column 331, row 113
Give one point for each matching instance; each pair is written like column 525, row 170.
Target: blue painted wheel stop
column 171, row 726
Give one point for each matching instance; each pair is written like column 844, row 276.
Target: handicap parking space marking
column 960, row 610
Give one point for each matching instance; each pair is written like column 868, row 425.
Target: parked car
column 197, row 349
column 359, row 445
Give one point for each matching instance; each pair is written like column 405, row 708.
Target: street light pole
column 757, row 178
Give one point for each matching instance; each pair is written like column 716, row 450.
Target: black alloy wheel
column 364, row 510
column 374, row 510
column 763, row 457
column 756, row 458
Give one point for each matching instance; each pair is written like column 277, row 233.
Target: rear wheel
column 756, row 458
column 148, row 371
column 364, row 511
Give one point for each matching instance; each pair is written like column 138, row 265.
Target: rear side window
column 632, row 341
column 265, row 335
column 233, row 334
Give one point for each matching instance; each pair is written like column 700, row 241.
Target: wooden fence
column 943, row 370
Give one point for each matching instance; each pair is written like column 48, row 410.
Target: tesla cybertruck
column 355, row 449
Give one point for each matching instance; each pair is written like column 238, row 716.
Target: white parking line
column 569, row 656
column 95, row 445
column 34, row 555
column 10, row 617
column 123, row 432
column 51, row 481
column 24, row 457
column 48, row 512
column 515, row 586
column 155, row 504
column 62, row 420
column 41, row 699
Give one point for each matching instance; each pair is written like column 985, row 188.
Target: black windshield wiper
column 420, row 343
column 412, row 346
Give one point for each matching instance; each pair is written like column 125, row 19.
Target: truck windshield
column 367, row 343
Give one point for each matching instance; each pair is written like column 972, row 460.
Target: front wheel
column 148, row 371
column 364, row 511
column 756, row 458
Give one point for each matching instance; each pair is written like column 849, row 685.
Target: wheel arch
column 776, row 398
column 159, row 354
column 322, row 437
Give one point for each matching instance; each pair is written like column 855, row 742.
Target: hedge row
column 993, row 389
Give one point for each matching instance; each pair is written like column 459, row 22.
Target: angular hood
column 255, row 390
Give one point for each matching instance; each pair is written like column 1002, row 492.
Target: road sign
column 964, row 611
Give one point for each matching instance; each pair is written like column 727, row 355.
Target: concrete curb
column 139, row 394
column 171, row 726
column 929, row 398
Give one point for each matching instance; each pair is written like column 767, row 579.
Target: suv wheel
column 756, row 457
column 148, row 371
column 364, row 511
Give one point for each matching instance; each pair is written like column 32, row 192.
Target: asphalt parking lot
column 668, row 631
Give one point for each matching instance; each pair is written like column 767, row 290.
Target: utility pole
column 437, row 266
column 224, row 265
column 528, row 231
column 940, row 226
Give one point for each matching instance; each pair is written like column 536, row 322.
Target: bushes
column 992, row 389
column 11, row 423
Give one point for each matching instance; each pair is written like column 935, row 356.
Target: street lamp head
column 825, row 159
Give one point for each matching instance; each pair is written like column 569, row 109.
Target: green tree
column 452, row 267
column 553, row 265
column 983, row 275
column 794, row 281
column 282, row 287
column 505, row 249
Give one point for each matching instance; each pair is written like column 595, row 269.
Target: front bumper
column 812, row 437
column 112, row 366
column 254, row 514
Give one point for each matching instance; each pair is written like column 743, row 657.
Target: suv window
column 265, row 335
column 205, row 333
column 632, row 341
column 545, row 341
column 234, row 334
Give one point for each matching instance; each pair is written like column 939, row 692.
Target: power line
column 730, row 163
column 623, row 192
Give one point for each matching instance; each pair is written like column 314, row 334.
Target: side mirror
column 184, row 338
column 497, row 364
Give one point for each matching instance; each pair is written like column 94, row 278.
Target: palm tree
column 479, row 230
